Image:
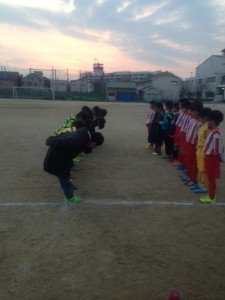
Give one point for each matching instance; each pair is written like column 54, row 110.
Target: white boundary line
column 111, row 203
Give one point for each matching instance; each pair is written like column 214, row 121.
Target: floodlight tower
column 98, row 69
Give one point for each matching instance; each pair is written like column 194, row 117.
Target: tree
column 19, row 81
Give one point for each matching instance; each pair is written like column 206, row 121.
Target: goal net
column 33, row 93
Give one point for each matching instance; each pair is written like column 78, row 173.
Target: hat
column 97, row 138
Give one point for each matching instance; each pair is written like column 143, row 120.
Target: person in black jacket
column 62, row 150
column 96, row 117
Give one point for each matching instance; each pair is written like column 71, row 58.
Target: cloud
column 123, row 6
column 151, row 33
column 149, row 10
column 51, row 5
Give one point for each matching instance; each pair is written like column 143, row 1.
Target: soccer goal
column 33, row 93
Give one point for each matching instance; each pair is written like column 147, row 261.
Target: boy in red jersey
column 214, row 154
column 182, row 134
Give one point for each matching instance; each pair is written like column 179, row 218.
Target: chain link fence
column 55, row 79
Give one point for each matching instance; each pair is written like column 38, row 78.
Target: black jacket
column 62, row 149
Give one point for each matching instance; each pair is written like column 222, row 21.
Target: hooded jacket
column 63, row 149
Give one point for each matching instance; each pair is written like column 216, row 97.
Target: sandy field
column 138, row 233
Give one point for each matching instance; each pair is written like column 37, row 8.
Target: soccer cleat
column 73, row 199
column 200, row 190
column 76, row 159
column 156, row 153
column 181, row 168
column 205, row 199
column 185, row 177
column 194, row 186
column 204, row 196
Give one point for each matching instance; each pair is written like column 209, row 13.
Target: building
column 129, row 76
column 209, row 80
column 161, row 86
column 34, row 79
column 120, row 91
column 82, row 85
column 98, row 70
column 59, row 85
column 9, row 79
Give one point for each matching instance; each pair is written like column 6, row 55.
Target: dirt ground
column 138, row 233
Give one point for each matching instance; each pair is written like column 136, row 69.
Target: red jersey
column 213, row 144
column 185, row 123
column 150, row 116
column 192, row 131
column 179, row 119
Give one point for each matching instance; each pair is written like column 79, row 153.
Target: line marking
column 110, row 203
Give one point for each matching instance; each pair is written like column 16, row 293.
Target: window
column 223, row 79
column 209, row 94
column 174, row 82
column 211, row 79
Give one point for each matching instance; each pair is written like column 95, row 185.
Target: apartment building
column 209, row 80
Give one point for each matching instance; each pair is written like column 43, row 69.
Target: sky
column 129, row 35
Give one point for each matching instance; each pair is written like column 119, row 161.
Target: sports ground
column 138, row 233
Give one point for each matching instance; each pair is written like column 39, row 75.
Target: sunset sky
column 130, row 35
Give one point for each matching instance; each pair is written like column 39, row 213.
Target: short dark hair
column 169, row 104
column 82, row 114
column 176, row 105
column 96, row 109
column 204, row 112
column 102, row 112
column 87, row 110
column 216, row 116
column 185, row 104
column 97, row 138
column 159, row 105
column 196, row 106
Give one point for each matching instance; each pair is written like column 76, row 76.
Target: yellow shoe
column 207, row 200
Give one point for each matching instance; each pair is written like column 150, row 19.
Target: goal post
column 33, row 93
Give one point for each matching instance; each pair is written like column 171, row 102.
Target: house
column 9, row 79
column 120, row 91
column 82, row 85
column 59, row 85
column 35, row 79
column 161, row 86
column 209, row 80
